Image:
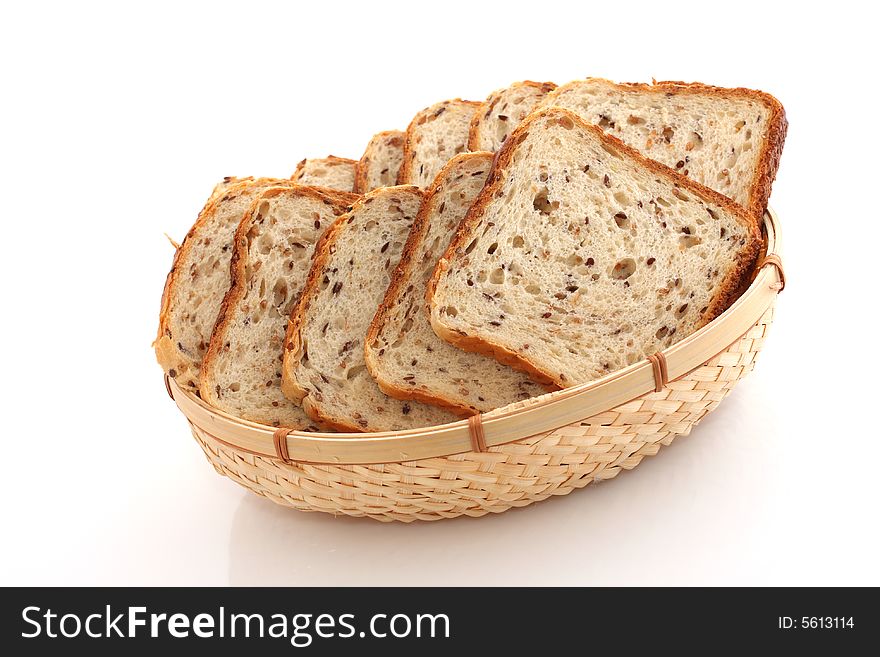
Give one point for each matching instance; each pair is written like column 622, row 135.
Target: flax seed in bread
column 324, row 351
column 241, row 373
column 594, row 256
column 380, row 163
column 433, row 137
column 502, row 111
column 729, row 140
column 402, row 352
column 331, row 172
column 199, row 278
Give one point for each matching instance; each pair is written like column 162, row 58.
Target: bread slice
column 241, row 373
column 502, row 111
column 433, row 137
column 727, row 139
column 594, row 256
column 331, row 172
column 380, row 163
column 199, row 278
column 402, row 352
column 324, row 351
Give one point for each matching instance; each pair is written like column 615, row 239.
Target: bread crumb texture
column 581, row 257
column 724, row 139
column 324, row 354
column 273, row 248
column 199, row 278
column 404, row 355
column 331, row 172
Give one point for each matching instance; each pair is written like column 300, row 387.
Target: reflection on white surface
column 596, row 535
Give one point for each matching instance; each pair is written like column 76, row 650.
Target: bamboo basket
column 512, row 456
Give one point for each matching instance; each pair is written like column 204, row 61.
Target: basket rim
column 507, row 424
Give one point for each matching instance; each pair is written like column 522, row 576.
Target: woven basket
column 513, row 456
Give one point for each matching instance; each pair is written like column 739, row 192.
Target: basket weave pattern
column 511, row 475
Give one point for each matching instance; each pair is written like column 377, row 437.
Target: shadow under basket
column 512, row 456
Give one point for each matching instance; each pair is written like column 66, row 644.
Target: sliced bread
column 331, row 172
column 324, row 350
column 241, row 372
column 199, row 278
column 727, row 139
column 433, row 137
column 502, row 111
column 380, row 163
column 595, row 255
column 402, row 352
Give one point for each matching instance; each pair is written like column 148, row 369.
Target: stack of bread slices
column 491, row 252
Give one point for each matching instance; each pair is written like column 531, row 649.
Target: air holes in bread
column 279, row 293
column 621, row 220
column 543, row 204
column 687, row 241
column 566, row 122
column 623, row 269
column 695, row 141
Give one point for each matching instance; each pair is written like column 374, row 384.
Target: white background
column 116, row 122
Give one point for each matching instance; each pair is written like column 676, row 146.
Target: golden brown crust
column 488, row 105
column 421, row 396
column 361, row 172
column 167, row 354
column 771, row 151
column 496, row 351
column 342, row 198
column 727, row 288
column 238, row 267
column 317, row 416
column 293, row 339
column 292, row 343
column 404, row 176
column 400, row 277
